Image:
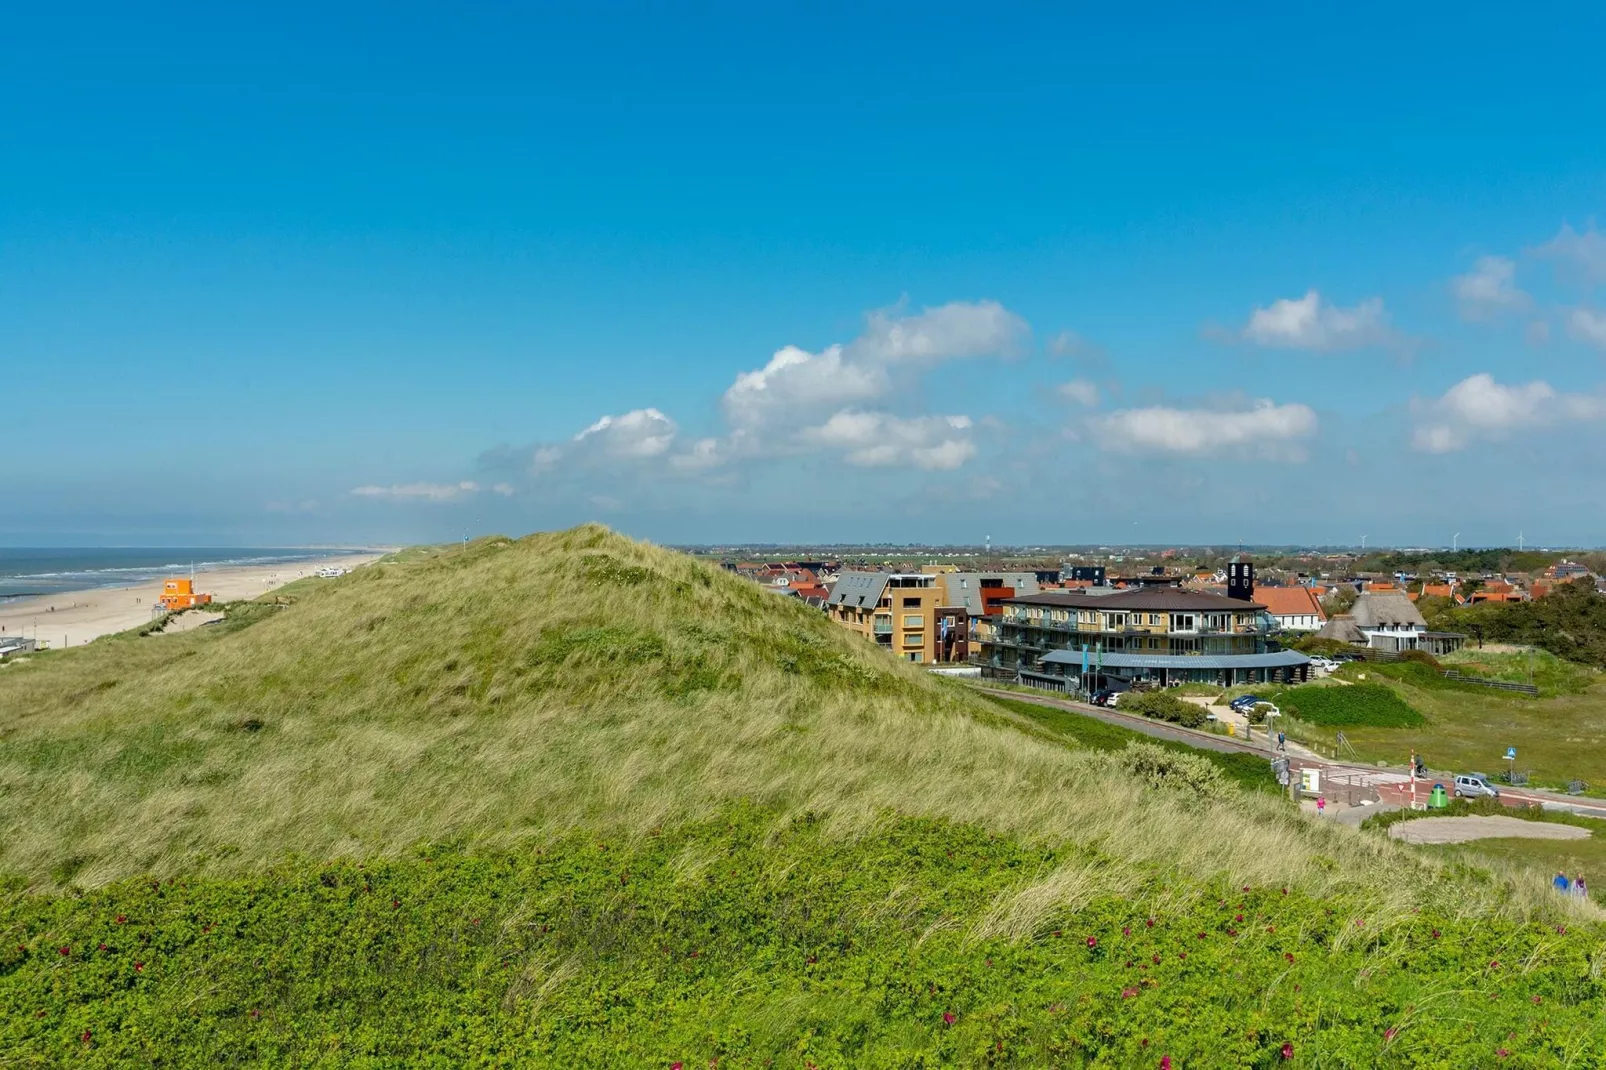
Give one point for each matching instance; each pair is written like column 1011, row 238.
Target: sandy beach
column 72, row 618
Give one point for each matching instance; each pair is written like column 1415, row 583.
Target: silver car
column 1474, row 785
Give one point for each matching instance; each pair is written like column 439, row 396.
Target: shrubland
column 572, row 800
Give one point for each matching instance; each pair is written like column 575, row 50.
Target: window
column 1154, row 618
column 913, row 620
column 1182, row 622
column 908, row 602
column 914, row 639
column 916, row 657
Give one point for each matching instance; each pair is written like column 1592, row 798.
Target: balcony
column 882, row 626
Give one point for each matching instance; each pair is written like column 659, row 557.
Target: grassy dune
column 518, row 691
column 574, row 800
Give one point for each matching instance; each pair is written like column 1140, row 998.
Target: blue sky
column 277, row 274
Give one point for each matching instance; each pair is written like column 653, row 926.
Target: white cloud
column 1489, row 289
column 1581, row 257
column 1264, row 429
column 1587, row 325
column 1479, row 407
column 639, row 433
column 1311, row 323
column 955, row 330
column 796, row 379
column 879, row 439
column 419, row 492
column 1080, row 391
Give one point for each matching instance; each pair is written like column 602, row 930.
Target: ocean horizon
column 30, row 571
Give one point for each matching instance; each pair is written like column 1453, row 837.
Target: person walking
column 1561, row 883
column 1580, row 889
column 1321, row 805
column 1282, row 742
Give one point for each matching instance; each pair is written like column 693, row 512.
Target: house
column 1387, row 620
column 1099, row 637
column 16, row 644
column 903, row 613
column 181, row 594
column 1295, row 609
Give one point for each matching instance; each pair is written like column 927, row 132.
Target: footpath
column 1353, row 791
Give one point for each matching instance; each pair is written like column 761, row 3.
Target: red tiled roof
column 1289, row 602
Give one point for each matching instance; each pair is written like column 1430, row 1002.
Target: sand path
column 72, row 618
column 1462, row 829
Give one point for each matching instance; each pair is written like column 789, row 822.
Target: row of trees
column 1570, row 622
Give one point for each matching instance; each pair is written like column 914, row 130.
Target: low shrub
column 1163, row 706
column 1161, row 768
column 751, row 941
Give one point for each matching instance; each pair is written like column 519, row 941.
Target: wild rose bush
column 747, row 942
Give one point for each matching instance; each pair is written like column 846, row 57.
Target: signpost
column 1511, row 765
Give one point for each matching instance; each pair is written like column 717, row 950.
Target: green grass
column 1360, row 704
column 1558, row 738
column 1245, row 770
column 750, row 943
column 483, row 804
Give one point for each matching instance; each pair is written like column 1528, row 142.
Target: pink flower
column 1201, row 936
column 1435, row 934
column 1126, row 930
column 1289, row 955
column 122, row 919
column 1237, row 917
column 1150, row 923
column 1092, row 941
column 1128, row 993
column 1285, row 891
column 1232, row 932
column 947, row 1017
column 1165, row 1062
column 1537, row 1000
column 1388, row 1034
column 1182, row 954
column 65, row 951
column 675, row 1066
column 1561, row 929
column 1502, row 1052
column 139, row 967
column 1246, row 887
column 1288, row 1050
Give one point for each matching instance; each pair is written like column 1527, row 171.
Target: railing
column 882, row 629
column 1499, row 685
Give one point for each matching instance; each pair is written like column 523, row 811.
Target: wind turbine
column 1363, row 541
column 1453, row 540
column 1519, row 542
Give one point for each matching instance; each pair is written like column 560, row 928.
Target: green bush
column 1162, row 768
column 1163, row 706
column 751, row 941
column 1375, row 705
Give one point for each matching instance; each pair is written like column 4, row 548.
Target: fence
column 1499, row 685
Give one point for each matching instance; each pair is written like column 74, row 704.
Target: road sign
column 1511, row 754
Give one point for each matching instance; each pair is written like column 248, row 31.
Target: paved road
column 1227, row 745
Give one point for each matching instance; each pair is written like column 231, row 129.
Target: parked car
column 1243, row 702
column 1324, row 664
column 1474, row 785
column 1103, row 698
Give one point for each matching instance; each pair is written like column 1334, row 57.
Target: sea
column 28, row 571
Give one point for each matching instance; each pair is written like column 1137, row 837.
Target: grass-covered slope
column 576, row 801
column 516, row 691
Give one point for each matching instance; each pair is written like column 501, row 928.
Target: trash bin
column 1439, row 800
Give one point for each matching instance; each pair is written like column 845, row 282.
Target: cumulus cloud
column 879, row 439
column 1579, row 257
column 1489, row 289
column 1263, row 429
column 1080, row 391
column 422, row 492
column 1478, row 407
column 955, row 330
column 796, row 379
column 1311, row 323
column 1587, row 325
column 639, row 433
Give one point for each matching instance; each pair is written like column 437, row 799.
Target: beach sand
column 72, row 618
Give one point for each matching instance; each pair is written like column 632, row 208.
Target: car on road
column 1474, row 785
